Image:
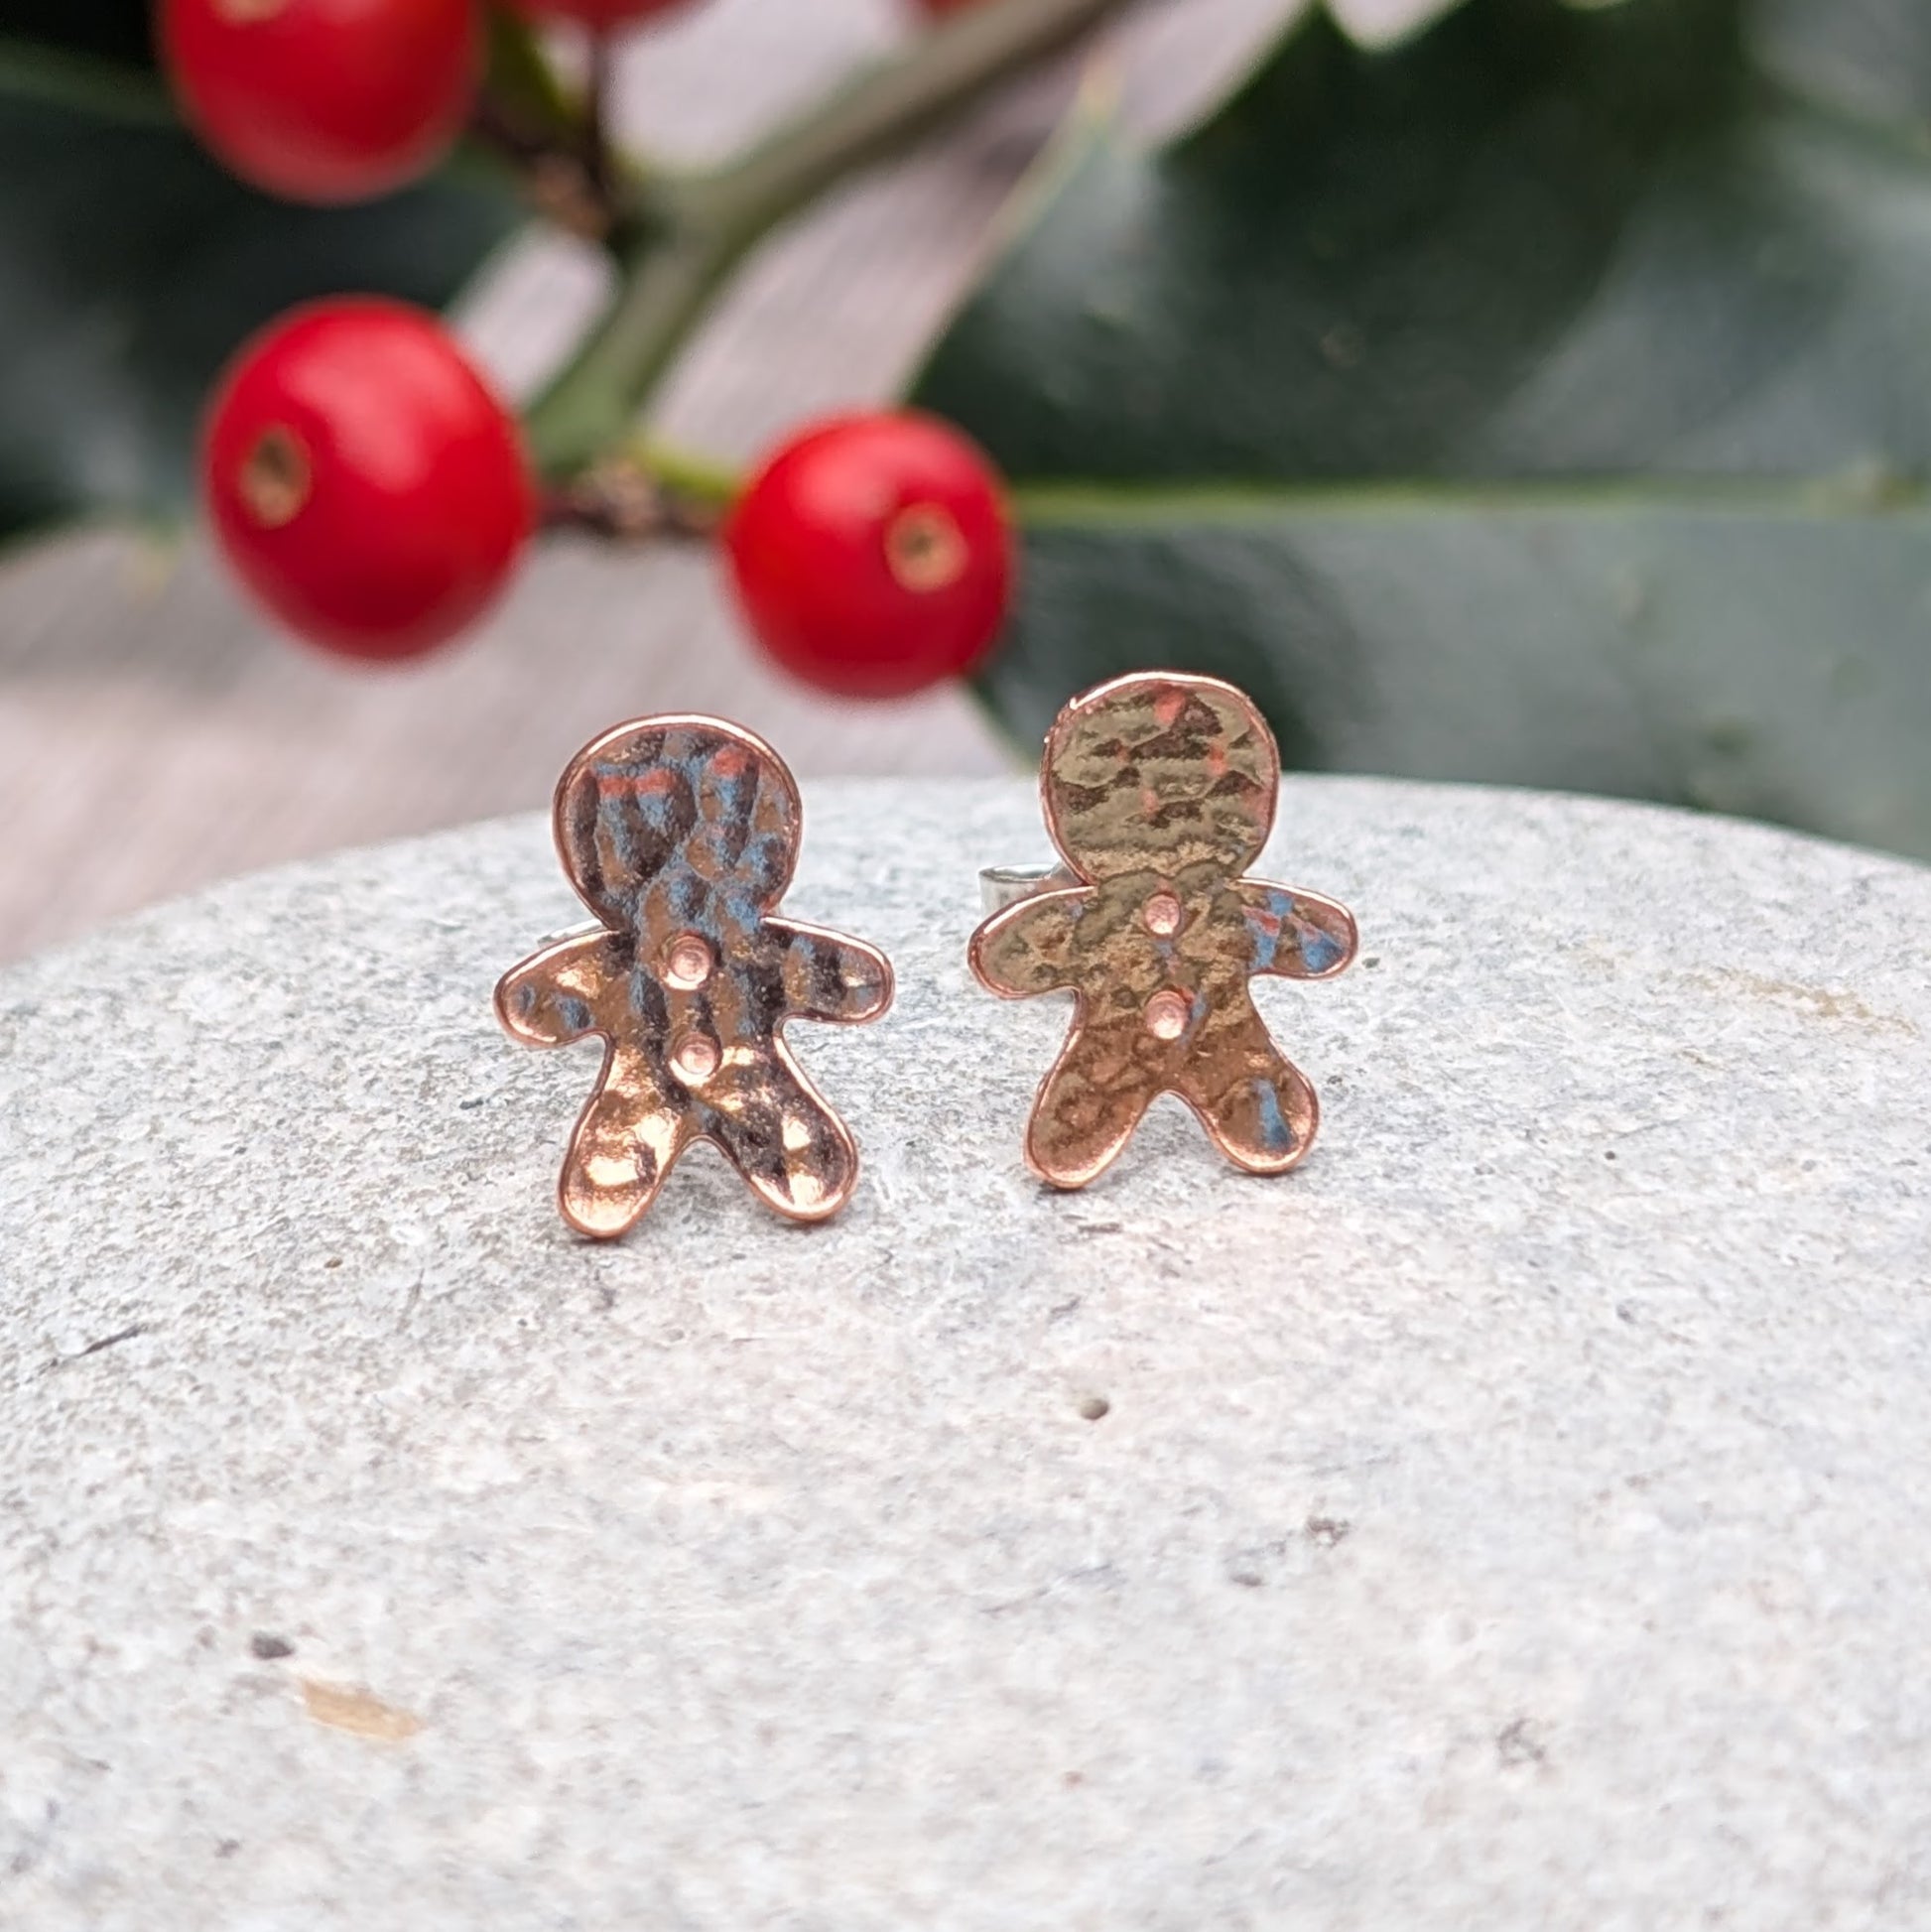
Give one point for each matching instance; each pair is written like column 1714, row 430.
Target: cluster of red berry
column 373, row 492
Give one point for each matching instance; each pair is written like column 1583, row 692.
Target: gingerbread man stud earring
column 680, row 835
column 1160, row 791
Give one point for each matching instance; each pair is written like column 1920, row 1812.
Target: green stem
column 692, row 232
column 691, row 474
column 521, row 82
column 644, row 492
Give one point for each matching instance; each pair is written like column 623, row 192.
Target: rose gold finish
column 1162, row 914
column 1165, row 1015
column 695, row 1061
column 689, row 965
column 1159, row 792
column 680, row 835
column 926, row 548
column 277, row 478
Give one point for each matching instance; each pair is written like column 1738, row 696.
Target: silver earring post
column 1001, row 886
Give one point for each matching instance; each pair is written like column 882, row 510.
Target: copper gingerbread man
column 680, row 835
column 1160, row 791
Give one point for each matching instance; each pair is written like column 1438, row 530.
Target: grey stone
column 1516, row 1518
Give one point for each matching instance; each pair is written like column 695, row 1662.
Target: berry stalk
column 644, row 491
column 688, row 234
column 557, row 143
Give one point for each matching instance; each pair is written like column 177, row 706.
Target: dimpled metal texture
column 680, row 835
column 1159, row 792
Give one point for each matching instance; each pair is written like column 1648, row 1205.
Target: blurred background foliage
column 1543, row 399
column 1546, row 400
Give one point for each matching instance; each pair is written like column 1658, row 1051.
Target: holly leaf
column 116, row 31
column 1868, row 57
column 132, row 265
column 1545, row 400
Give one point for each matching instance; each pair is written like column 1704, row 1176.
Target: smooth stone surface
column 1516, row 1518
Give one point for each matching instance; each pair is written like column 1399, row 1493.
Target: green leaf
column 1540, row 401
column 1736, row 652
column 132, row 266
column 108, row 29
column 1871, row 57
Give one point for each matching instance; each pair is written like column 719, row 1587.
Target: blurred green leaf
column 1871, row 57
column 108, row 29
column 1747, row 651
column 132, row 266
column 1544, row 400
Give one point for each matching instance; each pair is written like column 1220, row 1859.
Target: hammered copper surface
column 680, row 835
column 1159, row 792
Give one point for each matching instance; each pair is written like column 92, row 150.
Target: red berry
column 325, row 100
column 873, row 556
column 365, row 483
column 602, row 15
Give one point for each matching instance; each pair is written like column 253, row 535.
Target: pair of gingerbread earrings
column 680, row 835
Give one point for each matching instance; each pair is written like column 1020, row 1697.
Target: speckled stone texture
column 1516, row 1518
